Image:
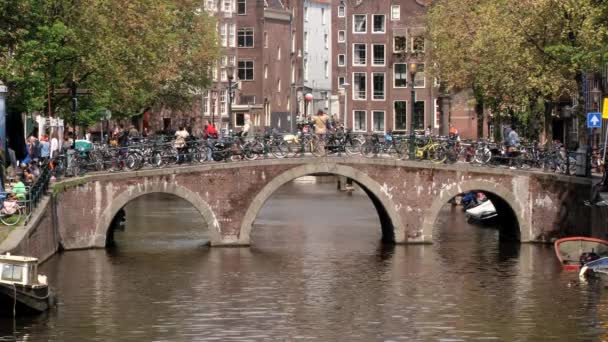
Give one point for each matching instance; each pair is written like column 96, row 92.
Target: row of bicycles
column 161, row 151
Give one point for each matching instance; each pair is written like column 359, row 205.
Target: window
column 341, row 12
column 293, row 72
column 306, row 13
column 359, row 54
column 323, row 16
column 359, row 86
column 399, row 44
column 326, row 41
column 224, row 35
column 400, row 115
column 395, row 12
column 224, row 61
column 265, row 71
column 326, row 69
column 341, row 36
column 205, row 104
column 359, row 23
column 378, row 86
column 436, row 114
column 265, row 39
column 222, row 109
column 378, row 52
column 419, row 81
column 378, row 20
column 359, row 120
column 400, row 75
column 227, row 5
column 279, row 85
column 279, row 54
column 210, row 5
column 231, row 60
column 245, row 37
column 245, row 70
column 341, row 60
column 418, row 119
column 241, row 7
column 378, row 121
column 12, row 273
column 293, row 43
column 239, row 119
column 306, row 69
column 341, row 81
column 232, row 35
column 305, row 41
column 418, row 44
column 223, row 74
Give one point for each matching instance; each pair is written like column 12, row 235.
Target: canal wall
column 40, row 237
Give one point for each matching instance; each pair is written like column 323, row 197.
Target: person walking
column 210, row 134
column 320, row 123
column 180, row 143
column 54, row 146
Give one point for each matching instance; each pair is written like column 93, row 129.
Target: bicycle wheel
column 353, row 147
column 248, row 152
column 437, row 153
column 401, row 149
column 13, row 219
column 280, row 150
column 482, row 156
column 368, row 149
column 133, row 162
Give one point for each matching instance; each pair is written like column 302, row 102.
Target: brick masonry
column 229, row 196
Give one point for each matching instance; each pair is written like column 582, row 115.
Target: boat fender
column 581, row 274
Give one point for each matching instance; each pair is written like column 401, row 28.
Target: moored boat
column 485, row 212
column 22, row 289
column 596, row 269
column 573, row 252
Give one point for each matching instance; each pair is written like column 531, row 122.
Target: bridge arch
column 393, row 229
column 135, row 191
column 506, row 204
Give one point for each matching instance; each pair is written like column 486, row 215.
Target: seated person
column 28, row 176
column 8, row 205
column 19, row 189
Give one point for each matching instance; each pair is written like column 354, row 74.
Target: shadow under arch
column 513, row 227
column 133, row 192
column 393, row 230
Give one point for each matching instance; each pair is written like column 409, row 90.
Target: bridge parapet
column 408, row 196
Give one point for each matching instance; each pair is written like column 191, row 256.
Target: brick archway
column 387, row 209
column 133, row 192
column 495, row 190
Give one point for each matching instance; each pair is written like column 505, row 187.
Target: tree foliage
column 131, row 54
column 518, row 54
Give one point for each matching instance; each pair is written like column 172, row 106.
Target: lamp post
column 230, row 71
column 214, row 98
column 595, row 96
column 3, row 92
column 413, row 68
column 345, row 114
column 307, row 99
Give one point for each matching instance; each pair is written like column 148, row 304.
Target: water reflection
column 316, row 270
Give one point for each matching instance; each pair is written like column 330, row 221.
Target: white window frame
column 423, row 78
column 265, row 71
column 341, row 11
column 279, row 53
column 373, row 59
column 343, row 64
column 353, row 28
column 229, row 3
column 395, row 45
column 305, row 13
column 383, row 86
column 341, row 36
column 398, row 16
column 412, row 39
column 326, row 41
column 353, row 51
column 224, row 34
column 365, row 121
column 279, row 85
column 364, row 98
column 383, row 26
column 232, row 35
column 323, row 16
column 305, row 41
column 265, row 39
column 373, row 117
column 424, row 123
column 305, row 69
column 395, row 78
column 340, row 84
column 252, row 69
column 326, row 69
column 252, row 38
column 395, row 116
column 237, row 7
column 435, row 113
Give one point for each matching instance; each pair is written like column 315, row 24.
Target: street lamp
column 214, row 98
column 413, row 69
column 344, row 119
column 307, row 98
column 230, row 71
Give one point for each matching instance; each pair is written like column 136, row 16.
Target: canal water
column 316, row 271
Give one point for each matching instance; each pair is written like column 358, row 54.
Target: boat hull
column 28, row 300
column 569, row 250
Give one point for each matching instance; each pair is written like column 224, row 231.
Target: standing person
column 320, row 122
column 454, row 133
column 87, row 136
column 180, row 143
column 133, row 131
column 210, row 134
column 246, row 125
column 428, row 131
column 45, row 148
column 54, row 146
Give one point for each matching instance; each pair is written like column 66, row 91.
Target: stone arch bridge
column 407, row 195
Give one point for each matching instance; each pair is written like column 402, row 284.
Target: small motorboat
column 22, row 289
column 596, row 269
column 482, row 213
column 572, row 252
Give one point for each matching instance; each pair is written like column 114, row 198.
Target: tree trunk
column 547, row 136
